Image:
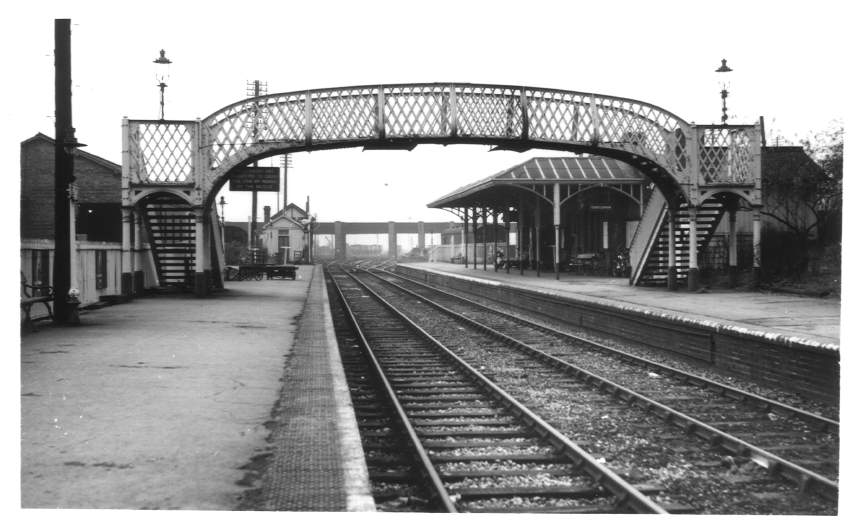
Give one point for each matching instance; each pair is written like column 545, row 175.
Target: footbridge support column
column 138, row 256
column 672, row 284
column 393, row 241
column 420, row 232
column 126, row 252
column 201, row 281
column 693, row 265
column 339, row 242
column 756, row 246
column 733, row 246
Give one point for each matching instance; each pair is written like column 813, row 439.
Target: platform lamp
column 222, row 203
column 308, row 224
column 70, row 309
column 723, row 80
column 162, row 74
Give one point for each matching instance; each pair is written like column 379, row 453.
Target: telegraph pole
column 286, row 163
column 65, row 145
column 255, row 90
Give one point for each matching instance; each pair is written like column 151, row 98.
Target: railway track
column 700, row 408
column 468, row 446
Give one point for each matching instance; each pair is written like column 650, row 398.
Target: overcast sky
column 787, row 60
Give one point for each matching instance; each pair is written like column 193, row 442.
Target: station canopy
column 501, row 188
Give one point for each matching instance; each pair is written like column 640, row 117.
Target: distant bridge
column 391, row 229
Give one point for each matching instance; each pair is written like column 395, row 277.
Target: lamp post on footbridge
column 162, row 75
column 724, row 86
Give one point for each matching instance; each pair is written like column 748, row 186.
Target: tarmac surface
column 158, row 403
column 817, row 320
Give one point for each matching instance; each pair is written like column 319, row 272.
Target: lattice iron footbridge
column 190, row 160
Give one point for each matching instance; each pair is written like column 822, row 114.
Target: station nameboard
column 256, row 179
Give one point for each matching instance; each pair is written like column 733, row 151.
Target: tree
column 827, row 149
column 802, row 191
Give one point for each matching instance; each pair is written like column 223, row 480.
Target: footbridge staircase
column 170, row 228
column 649, row 250
column 170, row 224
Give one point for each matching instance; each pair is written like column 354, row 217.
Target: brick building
column 284, row 235
column 96, row 248
column 98, row 189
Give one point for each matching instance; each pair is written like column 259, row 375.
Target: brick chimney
column 267, row 214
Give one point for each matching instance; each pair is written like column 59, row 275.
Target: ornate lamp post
column 162, row 75
column 222, row 203
column 724, row 86
column 308, row 224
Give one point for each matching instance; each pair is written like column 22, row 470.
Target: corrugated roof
column 570, row 169
column 551, row 170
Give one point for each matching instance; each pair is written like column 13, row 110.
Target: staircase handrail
column 646, row 233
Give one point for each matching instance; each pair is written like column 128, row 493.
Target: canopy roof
column 594, row 170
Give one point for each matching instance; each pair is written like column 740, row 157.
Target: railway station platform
column 814, row 320
column 238, row 401
column 174, row 402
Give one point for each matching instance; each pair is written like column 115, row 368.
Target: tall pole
column 309, row 232
column 222, row 203
column 537, row 235
column 556, row 222
column 520, row 233
column 464, row 237
column 506, row 216
column 285, row 180
column 162, row 86
column 484, row 233
column 474, row 238
column 64, row 174
column 254, row 193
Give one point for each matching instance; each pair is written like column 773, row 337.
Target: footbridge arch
column 685, row 160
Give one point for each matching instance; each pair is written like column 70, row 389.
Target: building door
column 283, row 246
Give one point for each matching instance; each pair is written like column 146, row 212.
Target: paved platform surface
column 812, row 319
column 163, row 401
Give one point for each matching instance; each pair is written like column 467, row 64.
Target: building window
column 40, row 270
column 282, row 240
column 100, row 268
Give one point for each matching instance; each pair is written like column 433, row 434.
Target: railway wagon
column 260, row 271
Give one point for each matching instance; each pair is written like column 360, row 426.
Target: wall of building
column 37, row 181
column 98, row 182
column 297, row 242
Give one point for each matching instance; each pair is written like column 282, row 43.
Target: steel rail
column 827, row 424
column 626, row 494
column 806, row 479
column 428, row 470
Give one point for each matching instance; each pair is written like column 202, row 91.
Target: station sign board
column 255, row 179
